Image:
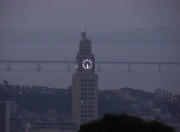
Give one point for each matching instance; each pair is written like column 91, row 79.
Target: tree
column 124, row 123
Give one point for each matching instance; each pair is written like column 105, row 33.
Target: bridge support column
column 129, row 68
column 69, row 67
column 159, row 67
column 38, row 67
column 8, row 67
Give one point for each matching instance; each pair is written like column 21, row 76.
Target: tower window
column 90, row 115
column 90, row 84
column 83, row 80
column 91, row 80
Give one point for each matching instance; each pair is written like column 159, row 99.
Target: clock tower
column 84, row 84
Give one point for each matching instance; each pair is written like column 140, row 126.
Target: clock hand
column 87, row 66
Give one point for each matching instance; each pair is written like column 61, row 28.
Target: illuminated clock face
column 87, row 64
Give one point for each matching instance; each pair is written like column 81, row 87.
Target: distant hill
column 154, row 36
column 147, row 105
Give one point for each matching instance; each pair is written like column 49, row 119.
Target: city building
column 4, row 116
column 4, row 109
column 51, row 127
column 84, row 85
column 163, row 94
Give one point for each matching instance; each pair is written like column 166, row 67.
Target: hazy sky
column 94, row 14
column 153, row 28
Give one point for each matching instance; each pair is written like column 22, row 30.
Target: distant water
column 111, row 76
column 107, row 80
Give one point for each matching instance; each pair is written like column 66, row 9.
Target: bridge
column 98, row 63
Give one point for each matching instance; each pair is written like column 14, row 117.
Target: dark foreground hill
column 124, row 123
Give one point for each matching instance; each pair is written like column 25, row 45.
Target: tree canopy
column 124, row 123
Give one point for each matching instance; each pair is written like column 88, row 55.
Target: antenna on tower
column 84, row 34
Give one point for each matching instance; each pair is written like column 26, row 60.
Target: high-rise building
column 84, row 85
column 4, row 116
column 4, row 111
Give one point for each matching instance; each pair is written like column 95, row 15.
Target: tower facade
column 4, row 116
column 84, row 84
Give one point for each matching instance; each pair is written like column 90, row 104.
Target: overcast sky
column 96, row 15
column 148, row 30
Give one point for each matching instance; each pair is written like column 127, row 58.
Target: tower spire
column 83, row 34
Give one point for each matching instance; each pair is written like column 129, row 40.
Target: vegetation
column 124, row 123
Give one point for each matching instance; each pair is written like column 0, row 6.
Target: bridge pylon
column 38, row 67
column 8, row 67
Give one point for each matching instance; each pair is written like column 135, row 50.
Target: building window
column 91, row 80
column 91, row 111
column 83, row 115
column 83, row 94
column 90, row 98
column 91, row 106
column 84, row 80
column 83, row 98
column 91, row 84
column 83, row 89
column 90, row 89
column 83, row 111
column 90, row 115
column 91, row 94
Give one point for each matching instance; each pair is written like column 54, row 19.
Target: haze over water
column 144, row 77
